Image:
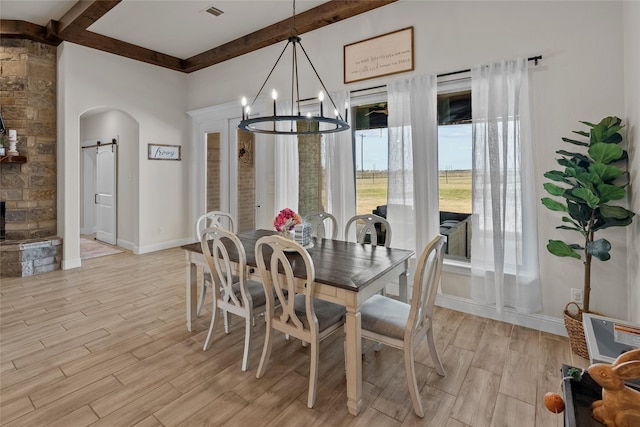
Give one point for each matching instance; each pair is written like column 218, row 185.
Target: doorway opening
column 108, row 175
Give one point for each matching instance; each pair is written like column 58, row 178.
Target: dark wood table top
column 341, row 264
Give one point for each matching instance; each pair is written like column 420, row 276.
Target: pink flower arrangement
column 286, row 220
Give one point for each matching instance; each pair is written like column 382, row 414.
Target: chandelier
column 298, row 124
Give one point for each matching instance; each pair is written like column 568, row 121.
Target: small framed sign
column 164, row 152
column 378, row 56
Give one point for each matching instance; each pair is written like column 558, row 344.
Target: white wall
column 117, row 124
column 579, row 78
column 631, row 13
column 152, row 96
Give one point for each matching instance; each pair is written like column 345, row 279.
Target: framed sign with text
column 378, row 56
column 164, row 152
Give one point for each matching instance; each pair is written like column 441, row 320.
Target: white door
column 105, row 197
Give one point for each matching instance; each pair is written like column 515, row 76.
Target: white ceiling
column 178, row 28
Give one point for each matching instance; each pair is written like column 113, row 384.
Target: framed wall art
column 164, row 152
column 378, row 56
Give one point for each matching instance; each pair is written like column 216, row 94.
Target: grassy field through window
column 455, row 191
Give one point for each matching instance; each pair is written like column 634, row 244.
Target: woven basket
column 575, row 330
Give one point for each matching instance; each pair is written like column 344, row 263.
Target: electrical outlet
column 576, row 295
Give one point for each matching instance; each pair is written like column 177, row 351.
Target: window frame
column 452, row 84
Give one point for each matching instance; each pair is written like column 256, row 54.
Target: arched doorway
column 109, row 176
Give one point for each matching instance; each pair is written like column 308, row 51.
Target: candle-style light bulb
column 274, row 95
column 335, row 112
column 243, row 101
column 308, row 115
column 346, row 111
column 321, row 98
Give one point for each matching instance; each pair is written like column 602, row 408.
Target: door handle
column 95, row 199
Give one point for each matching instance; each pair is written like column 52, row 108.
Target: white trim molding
column 535, row 321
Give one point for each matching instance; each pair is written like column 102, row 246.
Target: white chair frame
column 299, row 315
column 222, row 220
column 370, row 221
column 418, row 324
column 317, row 221
column 230, row 296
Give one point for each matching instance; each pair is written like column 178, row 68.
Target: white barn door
column 105, row 197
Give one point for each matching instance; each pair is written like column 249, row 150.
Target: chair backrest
column 317, row 220
column 216, row 244
column 425, row 286
column 370, row 221
column 279, row 280
column 219, row 219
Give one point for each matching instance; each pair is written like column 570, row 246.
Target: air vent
column 214, row 11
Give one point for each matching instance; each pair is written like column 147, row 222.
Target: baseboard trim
column 68, row 265
column 125, row 244
column 536, row 321
column 139, row 250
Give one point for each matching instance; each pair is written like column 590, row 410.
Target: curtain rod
column 452, row 73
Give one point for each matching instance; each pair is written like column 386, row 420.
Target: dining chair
column 299, row 314
column 241, row 297
column 222, row 220
column 403, row 325
column 372, row 225
column 318, row 221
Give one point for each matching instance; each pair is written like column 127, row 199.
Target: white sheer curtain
column 340, row 177
column 412, row 199
column 286, row 166
column 504, row 253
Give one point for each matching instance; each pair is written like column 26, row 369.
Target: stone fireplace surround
column 28, row 190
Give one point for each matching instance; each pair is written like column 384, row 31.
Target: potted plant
column 589, row 187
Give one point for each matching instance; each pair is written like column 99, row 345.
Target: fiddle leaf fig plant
column 586, row 187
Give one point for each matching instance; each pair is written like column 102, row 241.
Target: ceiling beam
column 10, row 28
column 73, row 27
column 82, row 15
column 128, row 50
column 51, row 36
column 318, row 17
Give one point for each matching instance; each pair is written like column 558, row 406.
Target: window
column 371, row 149
column 371, row 157
column 454, row 166
column 371, row 145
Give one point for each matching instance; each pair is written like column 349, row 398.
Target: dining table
column 347, row 273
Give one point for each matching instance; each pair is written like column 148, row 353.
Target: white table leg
column 353, row 361
column 402, row 282
column 191, row 291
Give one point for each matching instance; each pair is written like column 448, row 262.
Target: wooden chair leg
column 313, row 374
column 225, row 316
column 247, row 342
column 214, row 311
column 410, row 369
column 434, row 353
column 203, row 295
column 377, row 346
column 266, row 350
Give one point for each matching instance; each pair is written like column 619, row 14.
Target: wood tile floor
column 106, row 344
